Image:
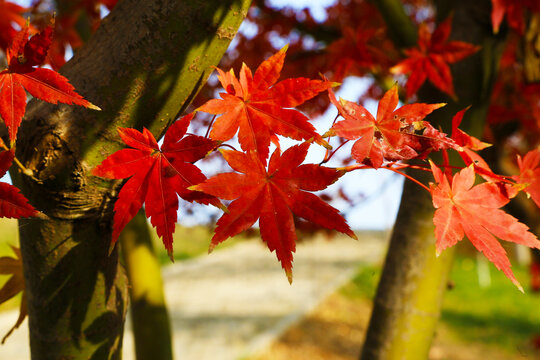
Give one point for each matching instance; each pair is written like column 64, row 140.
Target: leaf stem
column 408, row 177
column 26, row 171
column 210, row 126
column 227, row 145
column 329, row 155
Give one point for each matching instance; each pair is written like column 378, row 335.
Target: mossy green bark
column 143, row 67
column 410, row 292
column 149, row 315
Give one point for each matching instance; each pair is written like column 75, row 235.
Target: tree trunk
column 143, row 66
column 410, row 292
column 149, row 315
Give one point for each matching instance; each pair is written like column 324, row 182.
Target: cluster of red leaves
column 11, row 14
column 352, row 41
column 259, row 108
column 514, row 11
column 66, row 31
column 275, row 191
column 23, row 57
column 431, row 59
column 514, row 101
column 462, row 209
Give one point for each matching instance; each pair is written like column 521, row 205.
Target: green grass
column 496, row 315
column 190, row 242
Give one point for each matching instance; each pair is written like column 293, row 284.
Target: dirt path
column 234, row 302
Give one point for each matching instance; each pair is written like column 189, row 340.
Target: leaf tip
column 288, row 272
column 329, row 133
column 223, row 208
column 111, row 247
column 171, row 255
column 41, row 216
column 93, row 107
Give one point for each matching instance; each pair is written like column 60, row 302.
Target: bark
column 149, row 315
column 142, row 67
column 410, row 292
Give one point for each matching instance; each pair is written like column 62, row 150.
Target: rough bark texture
column 149, row 315
column 143, row 66
column 409, row 296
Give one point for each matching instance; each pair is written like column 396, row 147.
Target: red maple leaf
column 515, row 13
column 156, row 176
column 11, row 14
column 357, row 52
column 21, row 74
column 391, row 135
column 431, row 59
column 529, row 169
column 273, row 196
column 12, row 203
column 256, row 106
column 464, row 209
column 65, row 34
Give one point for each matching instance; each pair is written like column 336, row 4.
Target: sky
column 380, row 190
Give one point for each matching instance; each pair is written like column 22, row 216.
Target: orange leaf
column 463, row 209
column 390, row 136
column 256, row 107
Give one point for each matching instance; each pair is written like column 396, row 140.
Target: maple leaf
column 14, row 285
column 389, row 135
column 11, row 14
column 514, row 11
column 12, row 203
column 529, row 169
column 156, row 176
column 258, row 108
column 351, row 54
column 431, row 59
column 463, row 209
column 65, row 34
column 273, row 196
column 44, row 84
